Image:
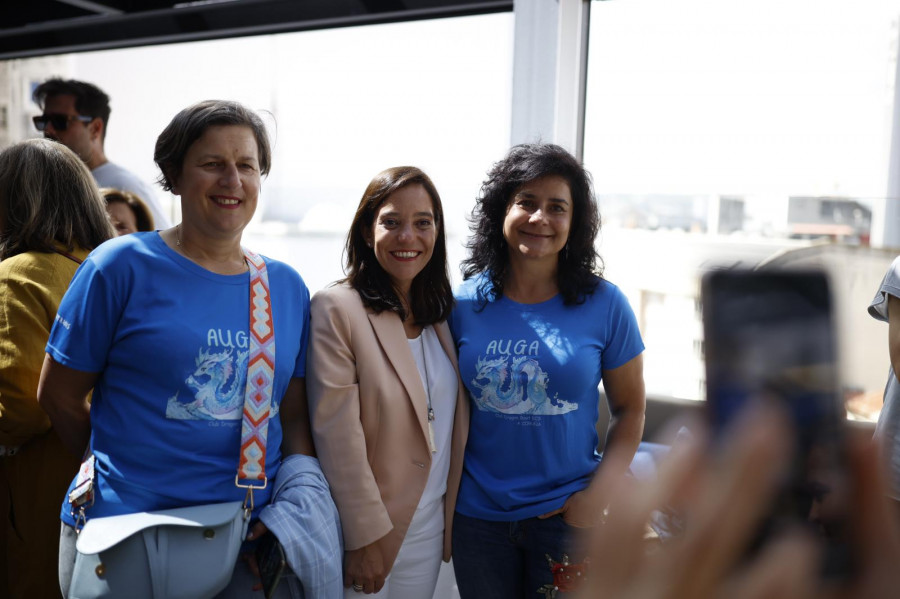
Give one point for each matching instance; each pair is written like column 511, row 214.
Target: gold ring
column 357, row 587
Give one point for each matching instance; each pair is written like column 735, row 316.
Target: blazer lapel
column 389, row 330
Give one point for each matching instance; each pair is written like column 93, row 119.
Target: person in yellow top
column 51, row 216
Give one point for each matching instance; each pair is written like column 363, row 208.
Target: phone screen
column 271, row 561
column 770, row 337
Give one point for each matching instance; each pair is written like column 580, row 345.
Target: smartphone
column 770, row 337
column 271, row 561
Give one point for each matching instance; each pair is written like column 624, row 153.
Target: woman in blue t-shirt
column 537, row 329
column 158, row 325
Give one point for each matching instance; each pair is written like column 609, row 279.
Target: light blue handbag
column 184, row 553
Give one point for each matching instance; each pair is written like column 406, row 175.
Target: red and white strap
column 260, row 379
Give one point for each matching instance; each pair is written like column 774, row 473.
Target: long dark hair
column 48, row 197
column 430, row 295
column 580, row 266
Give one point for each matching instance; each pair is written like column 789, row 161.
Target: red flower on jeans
column 567, row 576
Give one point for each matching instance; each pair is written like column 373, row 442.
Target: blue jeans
column 507, row 560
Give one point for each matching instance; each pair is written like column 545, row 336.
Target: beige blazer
column 369, row 420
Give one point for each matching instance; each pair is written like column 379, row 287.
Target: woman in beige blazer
column 389, row 414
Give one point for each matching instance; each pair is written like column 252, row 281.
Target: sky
column 740, row 96
column 765, row 97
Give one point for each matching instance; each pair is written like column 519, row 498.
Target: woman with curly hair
column 538, row 329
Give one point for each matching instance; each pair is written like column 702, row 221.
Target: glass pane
column 734, row 133
column 342, row 105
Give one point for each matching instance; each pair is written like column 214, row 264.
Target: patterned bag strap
column 260, row 380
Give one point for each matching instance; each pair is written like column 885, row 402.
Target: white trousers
column 415, row 571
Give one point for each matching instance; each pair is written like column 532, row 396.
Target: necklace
column 184, row 250
column 431, row 443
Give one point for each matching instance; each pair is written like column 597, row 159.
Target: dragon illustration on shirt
column 515, row 385
column 218, row 381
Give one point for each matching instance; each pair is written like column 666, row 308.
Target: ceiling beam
column 203, row 21
column 95, row 7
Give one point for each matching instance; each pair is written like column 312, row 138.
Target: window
column 342, row 105
column 734, row 133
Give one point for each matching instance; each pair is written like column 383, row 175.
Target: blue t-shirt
column 532, row 372
column 169, row 339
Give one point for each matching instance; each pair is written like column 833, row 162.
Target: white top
column 110, row 174
column 435, row 367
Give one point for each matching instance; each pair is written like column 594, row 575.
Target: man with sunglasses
column 76, row 113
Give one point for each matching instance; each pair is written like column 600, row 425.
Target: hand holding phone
column 769, row 337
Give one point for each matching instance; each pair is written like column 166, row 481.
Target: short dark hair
column 90, row 100
column 190, row 124
column 580, row 266
column 142, row 217
column 431, row 296
column 48, row 196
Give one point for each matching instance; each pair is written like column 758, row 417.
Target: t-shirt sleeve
column 890, row 285
column 85, row 324
column 464, row 297
column 623, row 335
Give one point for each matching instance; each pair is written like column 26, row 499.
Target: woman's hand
column 581, row 510
column 625, row 392
column 876, row 529
column 259, row 529
column 722, row 499
column 364, row 567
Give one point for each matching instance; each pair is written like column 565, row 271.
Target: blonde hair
column 48, row 197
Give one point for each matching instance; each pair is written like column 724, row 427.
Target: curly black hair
column 580, row 266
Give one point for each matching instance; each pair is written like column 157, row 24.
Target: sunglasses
column 60, row 122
